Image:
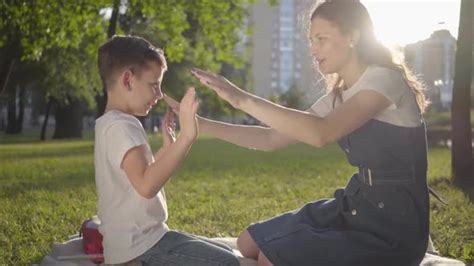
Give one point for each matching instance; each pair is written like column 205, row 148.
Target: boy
column 129, row 178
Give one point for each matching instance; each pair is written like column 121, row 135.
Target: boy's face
column 145, row 89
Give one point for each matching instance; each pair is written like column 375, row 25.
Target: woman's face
column 329, row 47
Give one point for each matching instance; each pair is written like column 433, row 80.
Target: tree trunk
column 21, row 109
column 69, row 120
column 461, row 151
column 113, row 20
column 5, row 74
column 46, row 117
column 101, row 100
column 3, row 124
column 10, row 56
column 14, row 117
column 11, row 112
column 8, row 66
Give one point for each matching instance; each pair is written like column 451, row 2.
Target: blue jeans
column 179, row 248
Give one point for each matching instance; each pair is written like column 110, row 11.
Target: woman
column 374, row 111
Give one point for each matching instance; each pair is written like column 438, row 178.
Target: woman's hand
column 224, row 88
column 168, row 129
column 172, row 103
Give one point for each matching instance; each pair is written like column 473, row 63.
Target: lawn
column 47, row 190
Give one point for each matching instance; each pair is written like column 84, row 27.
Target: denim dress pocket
column 393, row 200
column 351, row 200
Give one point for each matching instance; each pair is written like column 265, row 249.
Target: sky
column 400, row 22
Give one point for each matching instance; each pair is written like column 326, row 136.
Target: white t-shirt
column 130, row 223
column 388, row 82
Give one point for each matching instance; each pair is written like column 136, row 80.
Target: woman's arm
column 254, row 137
column 300, row 125
column 314, row 130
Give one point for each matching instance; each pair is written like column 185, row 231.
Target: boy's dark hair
column 132, row 52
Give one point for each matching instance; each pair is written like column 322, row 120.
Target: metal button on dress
column 354, row 212
column 381, row 205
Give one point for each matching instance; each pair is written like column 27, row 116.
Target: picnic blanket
column 69, row 253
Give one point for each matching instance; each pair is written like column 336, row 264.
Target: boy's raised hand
column 187, row 115
column 168, row 129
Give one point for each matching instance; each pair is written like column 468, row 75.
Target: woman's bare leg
column 247, row 245
column 263, row 260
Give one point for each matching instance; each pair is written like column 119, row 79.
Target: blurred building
column 432, row 60
column 280, row 57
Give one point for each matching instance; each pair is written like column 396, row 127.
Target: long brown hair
column 349, row 16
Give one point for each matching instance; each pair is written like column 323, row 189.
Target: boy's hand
column 187, row 115
column 168, row 129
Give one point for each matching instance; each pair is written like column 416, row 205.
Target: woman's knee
column 247, row 245
column 263, row 260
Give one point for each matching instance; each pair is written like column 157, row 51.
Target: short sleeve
column 387, row 82
column 120, row 138
column 323, row 106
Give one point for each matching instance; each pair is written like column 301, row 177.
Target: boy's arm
column 160, row 152
column 149, row 179
column 168, row 133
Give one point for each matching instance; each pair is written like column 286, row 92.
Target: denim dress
column 381, row 217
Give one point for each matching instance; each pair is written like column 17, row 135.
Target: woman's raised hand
column 224, row 88
column 172, row 103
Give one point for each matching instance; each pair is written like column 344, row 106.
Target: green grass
column 47, row 190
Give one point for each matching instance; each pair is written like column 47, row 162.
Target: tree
column 71, row 80
column 101, row 98
column 292, row 98
column 192, row 33
column 31, row 28
column 462, row 157
column 64, row 36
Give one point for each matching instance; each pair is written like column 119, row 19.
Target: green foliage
column 63, row 37
column 438, row 119
column 162, row 23
column 293, row 98
column 42, row 24
column 200, row 33
column 60, row 38
column 203, row 32
column 71, row 74
column 218, row 191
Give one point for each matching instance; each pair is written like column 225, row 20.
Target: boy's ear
column 125, row 79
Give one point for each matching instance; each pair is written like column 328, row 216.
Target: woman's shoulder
column 377, row 71
column 392, row 84
column 323, row 105
column 385, row 80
